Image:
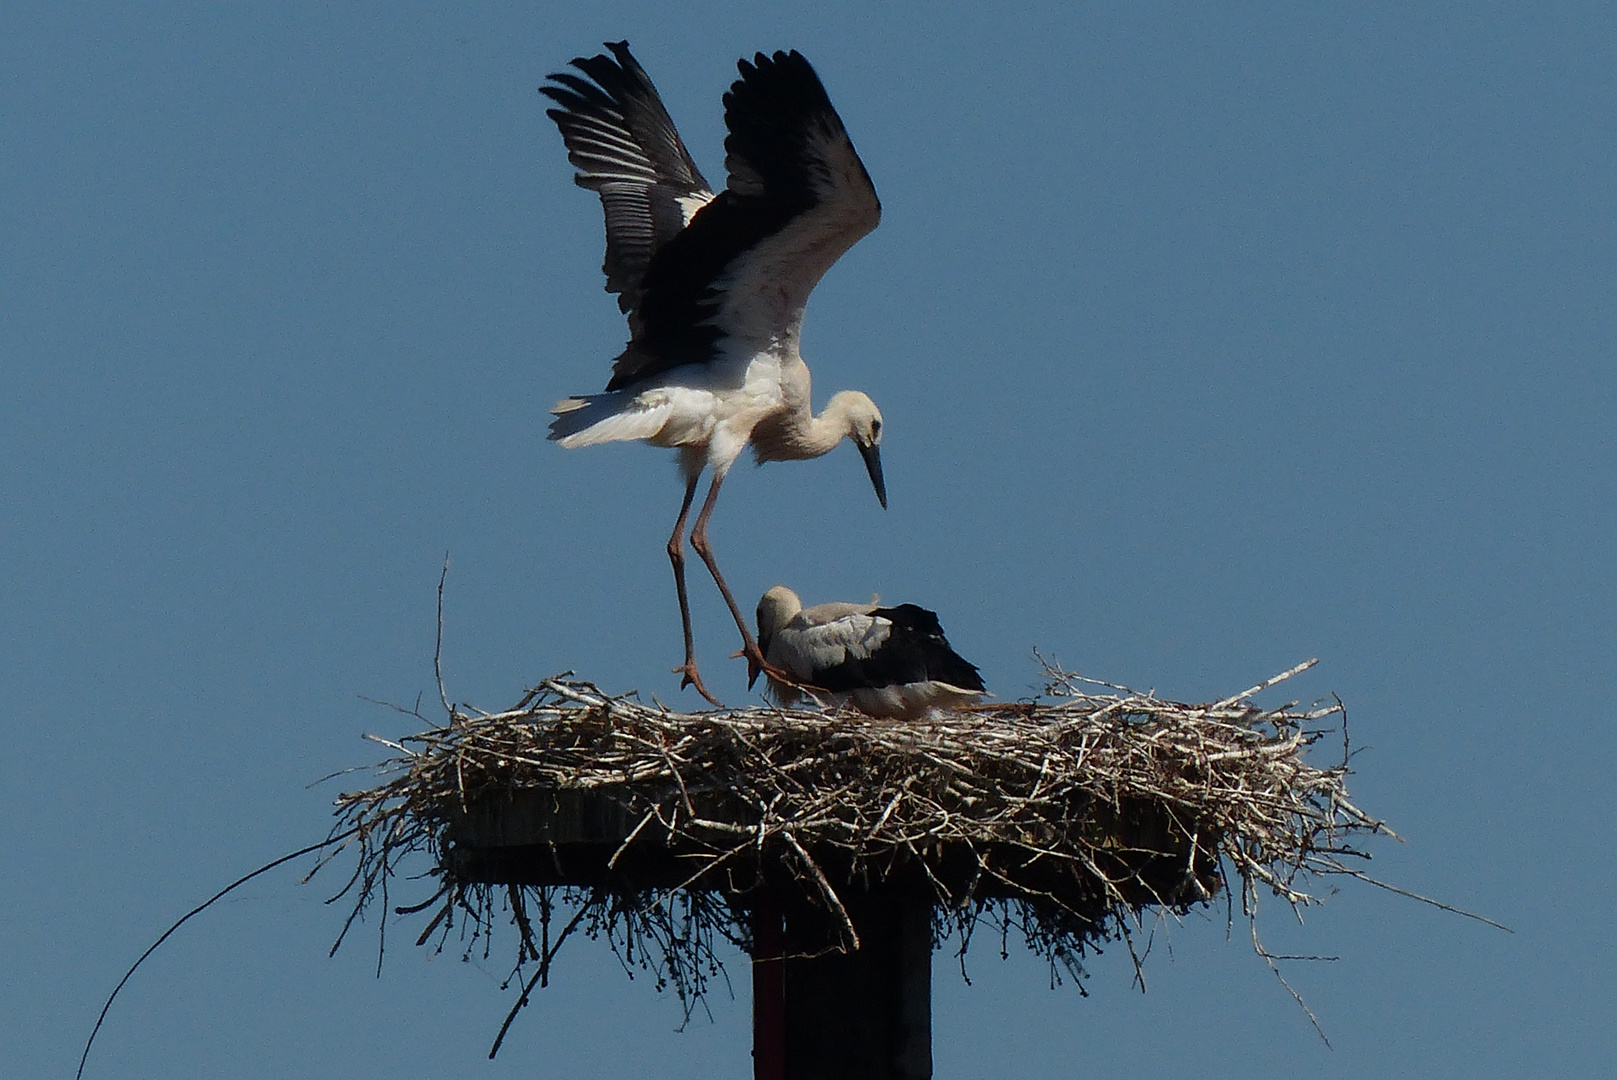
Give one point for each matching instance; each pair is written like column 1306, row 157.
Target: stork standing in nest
column 889, row 662
column 714, row 285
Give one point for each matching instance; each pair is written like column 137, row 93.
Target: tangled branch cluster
column 1061, row 818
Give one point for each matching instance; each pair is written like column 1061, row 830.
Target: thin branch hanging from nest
column 1060, row 819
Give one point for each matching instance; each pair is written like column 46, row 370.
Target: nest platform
column 667, row 832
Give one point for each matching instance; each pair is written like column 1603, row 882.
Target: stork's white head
column 862, row 425
column 777, row 607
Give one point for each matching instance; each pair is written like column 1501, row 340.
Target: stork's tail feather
column 600, row 418
column 576, row 415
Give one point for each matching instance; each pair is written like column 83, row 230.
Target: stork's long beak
column 753, row 670
column 872, row 456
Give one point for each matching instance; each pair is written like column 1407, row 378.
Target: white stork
column 714, row 284
column 885, row 661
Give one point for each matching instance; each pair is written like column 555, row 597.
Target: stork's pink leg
column 676, row 555
column 749, row 647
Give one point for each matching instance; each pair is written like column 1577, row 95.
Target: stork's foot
column 692, row 677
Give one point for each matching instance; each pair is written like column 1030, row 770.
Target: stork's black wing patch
column 915, row 651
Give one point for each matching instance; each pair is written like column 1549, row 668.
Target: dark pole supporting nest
column 768, row 988
column 864, row 1014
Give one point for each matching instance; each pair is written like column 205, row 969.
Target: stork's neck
column 798, row 434
column 827, row 429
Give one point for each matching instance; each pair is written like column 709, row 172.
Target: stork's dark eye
column 875, row 429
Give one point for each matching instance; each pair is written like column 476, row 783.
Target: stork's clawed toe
column 693, row 678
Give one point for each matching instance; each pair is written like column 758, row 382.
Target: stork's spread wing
column 798, row 197
column 626, row 148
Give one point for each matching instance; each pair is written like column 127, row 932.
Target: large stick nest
column 1062, row 818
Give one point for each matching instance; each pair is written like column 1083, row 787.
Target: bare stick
column 438, row 643
column 199, row 909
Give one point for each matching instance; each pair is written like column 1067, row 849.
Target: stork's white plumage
column 884, row 661
column 714, row 285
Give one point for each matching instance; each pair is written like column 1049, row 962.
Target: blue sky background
column 1208, row 339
